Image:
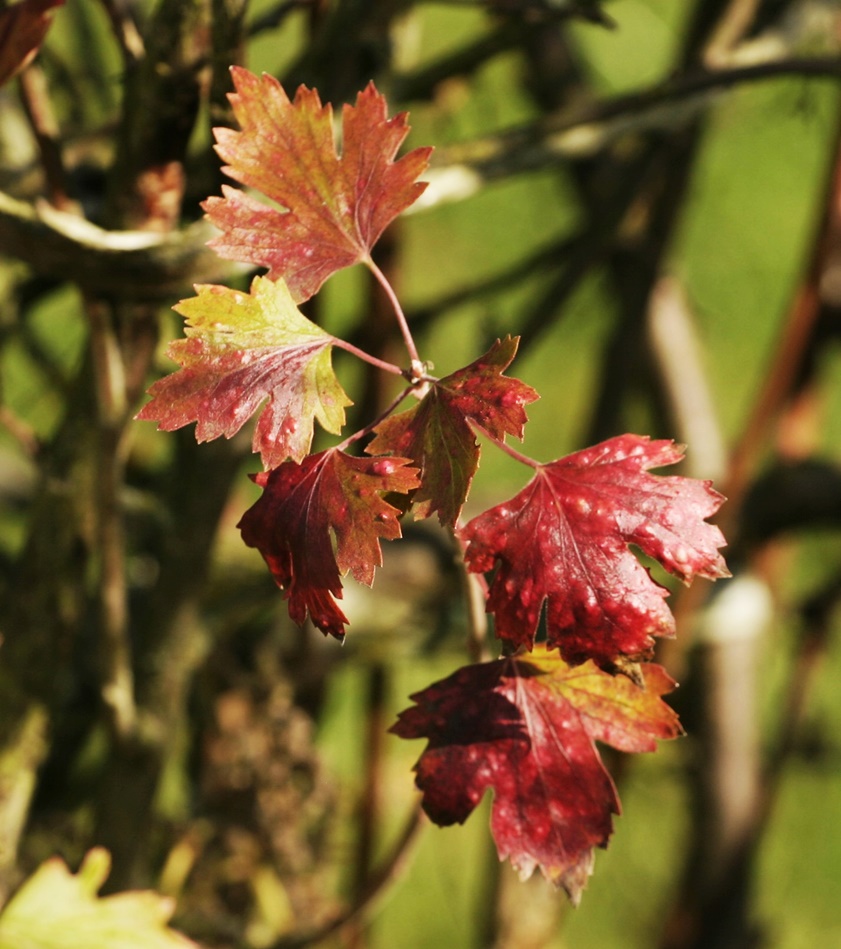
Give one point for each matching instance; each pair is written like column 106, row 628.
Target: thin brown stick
column 789, row 352
column 117, row 683
column 125, row 30
column 673, row 103
column 20, row 430
column 369, row 894
column 730, row 29
column 35, row 98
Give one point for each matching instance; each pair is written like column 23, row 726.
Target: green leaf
column 56, row 909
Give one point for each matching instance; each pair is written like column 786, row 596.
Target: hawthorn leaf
column 563, row 542
column 332, row 209
column 241, row 349
column 323, row 518
column 22, row 31
column 56, row 909
column 525, row 727
column 436, row 433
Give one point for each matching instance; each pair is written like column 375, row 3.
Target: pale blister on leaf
column 323, row 518
column 525, row 728
column 562, row 543
column 241, row 350
column 437, row 435
column 332, row 209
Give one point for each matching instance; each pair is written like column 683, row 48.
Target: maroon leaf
column 332, row 209
column 305, row 507
column 563, row 541
column 22, row 31
column 437, row 436
column 525, row 728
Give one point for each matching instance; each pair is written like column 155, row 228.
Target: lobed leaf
column 563, row 542
column 332, row 209
column 525, row 728
column 241, row 349
column 436, row 434
column 56, row 909
column 305, row 507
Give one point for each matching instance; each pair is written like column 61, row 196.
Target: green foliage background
column 742, row 244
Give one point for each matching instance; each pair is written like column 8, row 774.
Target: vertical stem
column 402, row 322
column 125, row 30
column 117, row 686
column 36, row 104
column 474, row 590
column 791, row 347
column 375, row 699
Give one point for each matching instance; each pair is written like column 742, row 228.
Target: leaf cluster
column 571, row 604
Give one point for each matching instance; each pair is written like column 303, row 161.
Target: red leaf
column 241, row 349
column 22, row 31
column 333, row 209
column 563, row 541
column 436, row 435
column 304, row 507
column 525, row 727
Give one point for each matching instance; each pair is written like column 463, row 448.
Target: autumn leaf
column 436, row 434
column 241, row 349
column 332, row 209
column 563, row 542
column 56, row 909
column 22, row 31
column 305, row 507
column 525, row 727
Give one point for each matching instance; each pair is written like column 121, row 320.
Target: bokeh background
column 649, row 192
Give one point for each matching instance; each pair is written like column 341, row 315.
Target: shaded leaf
column 22, row 31
column 563, row 542
column 242, row 348
column 332, row 209
column 525, row 727
column 305, row 508
column 56, row 909
column 437, row 436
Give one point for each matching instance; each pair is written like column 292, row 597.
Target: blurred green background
column 740, row 247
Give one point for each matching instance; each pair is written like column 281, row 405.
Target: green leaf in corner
column 56, row 909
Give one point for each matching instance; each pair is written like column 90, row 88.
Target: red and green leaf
column 525, row 728
column 437, row 435
column 241, row 350
column 563, row 542
column 323, row 518
column 332, row 208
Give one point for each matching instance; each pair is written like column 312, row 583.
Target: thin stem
column 117, row 686
column 503, row 446
column 367, row 357
column 386, row 874
column 731, row 28
column 37, row 106
column 125, row 30
column 381, row 417
column 475, row 593
column 402, row 322
column 20, row 430
column 370, row 805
